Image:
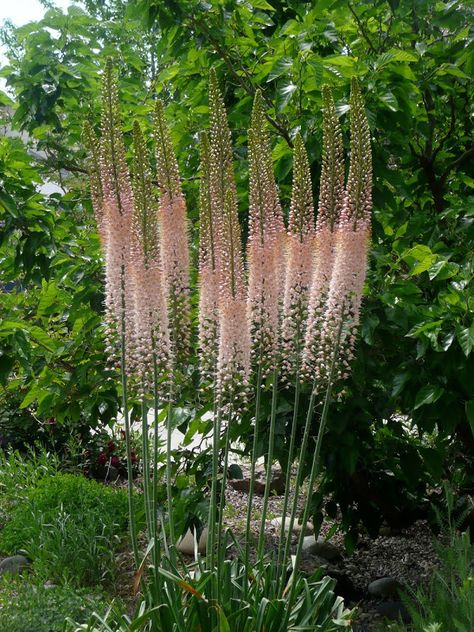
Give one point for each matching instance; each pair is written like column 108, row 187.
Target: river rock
column 297, row 527
column 384, row 587
column 14, row 564
column 186, row 543
column 321, row 548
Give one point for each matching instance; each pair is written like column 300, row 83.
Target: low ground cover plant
column 26, row 606
column 71, row 528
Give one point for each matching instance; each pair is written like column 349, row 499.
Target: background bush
column 70, row 527
column 27, row 607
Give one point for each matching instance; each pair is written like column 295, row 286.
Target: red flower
column 102, row 458
column 111, row 446
column 115, row 461
column 133, row 456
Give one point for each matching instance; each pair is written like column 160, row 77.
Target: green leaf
column 442, row 270
column 420, row 257
column 284, row 94
column 428, row 394
column 32, row 395
column 470, row 413
column 465, row 336
column 261, row 4
column 390, row 100
column 426, row 326
column 402, row 55
column 280, row 67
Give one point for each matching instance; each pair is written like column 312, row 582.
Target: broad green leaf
column 390, row 100
column 261, row 4
column 418, row 329
column 284, row 94
column 403, row 55
column 428, row 394
column 465, row 336
column 280, row 67
column 470, row 413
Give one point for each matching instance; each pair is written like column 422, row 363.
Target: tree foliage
column 408, row 418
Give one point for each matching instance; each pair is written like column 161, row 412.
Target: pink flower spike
column 264, row 247
column 234, row 335
column 174, row 240
column 299, row 264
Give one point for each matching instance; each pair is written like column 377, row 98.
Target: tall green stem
column 285, row 536
column 146, row 468
column 128, row 443
column 314, row 467
column 299, row 477
column 154, row 508
column 220, row 521
column 252, row 475
column 268, row 478
column 169, row 489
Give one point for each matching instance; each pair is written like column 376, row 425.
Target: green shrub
column 26, row 607
column 70, row 527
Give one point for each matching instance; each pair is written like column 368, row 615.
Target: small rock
column 14, row 565
column 50, row 584
column 394, row 610
column 321, row 548
column 186, row 543
column 384, row 587
column 385, row 531
column 297, row 527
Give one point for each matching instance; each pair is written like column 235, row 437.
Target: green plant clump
column 70, row 527
column 37, row 608
column 448, row 606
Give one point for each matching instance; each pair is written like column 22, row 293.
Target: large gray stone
column 297, row 527
column 14, row 564
column 321, row 548
column 384, row 587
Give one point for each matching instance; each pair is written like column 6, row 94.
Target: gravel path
column 407, row 556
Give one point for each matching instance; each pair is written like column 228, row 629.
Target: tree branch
column 362, row 30
column 455, row 163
